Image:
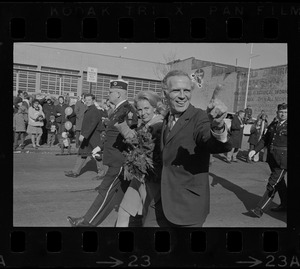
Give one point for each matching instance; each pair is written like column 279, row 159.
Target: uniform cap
column 282, row 106
column 119, row 84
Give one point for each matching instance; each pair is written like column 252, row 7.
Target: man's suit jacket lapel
column 181, row 122
column 164, row 129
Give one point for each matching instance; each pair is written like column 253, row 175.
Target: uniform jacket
column 276, row 136
column 79, row 110
column 114, row 142
column 60, row 109
column 20, row 120
column 236, row 132
column 91, row 129
column 33, row 114
column 185, row 156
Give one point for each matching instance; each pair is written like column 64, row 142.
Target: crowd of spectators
column 44, row 120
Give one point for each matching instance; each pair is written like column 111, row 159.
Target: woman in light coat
column 36, row 118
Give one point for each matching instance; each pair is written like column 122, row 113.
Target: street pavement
column 43, row 196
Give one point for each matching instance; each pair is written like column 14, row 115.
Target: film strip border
column 152, row 248
column 149, row 21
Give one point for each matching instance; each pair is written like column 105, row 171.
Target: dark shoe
column 71, row 174
column 279, row 208
column 257, row 212
column 135, row 221
column 75, row 221
column 227, row 161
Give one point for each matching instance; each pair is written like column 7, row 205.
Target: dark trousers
column 111, row 192
column 276, row 179
column 44, row 135
column 77, row 134
column 18, row 135
column 82, row 161
column 156, row 218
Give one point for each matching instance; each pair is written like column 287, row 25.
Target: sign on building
column 92, row 74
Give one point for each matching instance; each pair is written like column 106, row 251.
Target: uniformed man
column 113, row 187
column 275, row 140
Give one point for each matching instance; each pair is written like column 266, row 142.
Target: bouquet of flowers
column 138, row 157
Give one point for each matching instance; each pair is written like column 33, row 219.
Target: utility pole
column 248, row 78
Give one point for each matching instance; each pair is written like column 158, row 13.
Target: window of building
column 60, row 83
column 99, row 89
column 135, row 85
column 24, row 80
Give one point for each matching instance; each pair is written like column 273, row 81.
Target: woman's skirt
column 34, row 129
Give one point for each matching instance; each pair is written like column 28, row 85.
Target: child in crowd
column 66, row 141
column 19, row 125
column 52, row 128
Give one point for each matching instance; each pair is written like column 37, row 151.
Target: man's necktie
column 170, row 125
column 171, row 121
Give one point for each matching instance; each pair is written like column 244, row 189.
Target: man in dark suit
column 189, row 135
column 113, row 187
column 275, row 139
column 90, row 137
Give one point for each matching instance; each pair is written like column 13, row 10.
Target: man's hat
column 52, row 117
column 282, row 106
column 119, row 84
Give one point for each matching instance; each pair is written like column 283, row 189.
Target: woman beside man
column 141, row 194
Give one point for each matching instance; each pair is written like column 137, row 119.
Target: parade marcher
column 19, row 124
column 276, row 141
column 255, row 135
column 145, row 192
column 90, row 135
column 35, row 122
column 102, row 169
column 52, row 128
column 79, row 110
column 236, row 136
column 189, row 135
column 112, row 188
